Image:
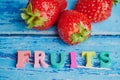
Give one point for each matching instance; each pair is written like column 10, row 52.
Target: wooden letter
column 73, row 60
column 88, row 56
column 23, row 57
column 105, row 61
column 39, row 58
column 54, row 62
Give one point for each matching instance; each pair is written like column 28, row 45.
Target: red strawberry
column 40, row 14
column 73, row 27
column 95, row 10
column 62, row 4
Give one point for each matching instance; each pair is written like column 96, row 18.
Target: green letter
column 105, row 61
column 54, row 62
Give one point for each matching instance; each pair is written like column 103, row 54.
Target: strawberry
column 95, row 10
column 40, row 14
column 62, row 4
column 73, row 27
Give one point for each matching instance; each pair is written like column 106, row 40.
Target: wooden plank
column 11, row 23
column 61, row 74
column 9, row 46
column 103, row 43
column 24, row 39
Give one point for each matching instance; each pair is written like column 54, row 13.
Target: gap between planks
column 52, row 33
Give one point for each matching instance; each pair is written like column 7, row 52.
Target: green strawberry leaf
column 29, row 7
column 116, row 2
column 32, row 19
column 81, row 36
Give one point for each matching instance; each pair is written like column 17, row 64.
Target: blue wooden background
column 14, row 36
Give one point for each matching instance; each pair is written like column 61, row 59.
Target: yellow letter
column 88, row 56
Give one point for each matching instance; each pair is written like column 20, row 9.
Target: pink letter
column 73, row 60
column 39, row 59
column 23, row 57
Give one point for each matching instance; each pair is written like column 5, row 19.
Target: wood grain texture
column 14, row 36
column 10, row 19
column 10, row 45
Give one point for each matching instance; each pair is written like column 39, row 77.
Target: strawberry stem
column 81, row 36
column 32, row 19
column 115, row 2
